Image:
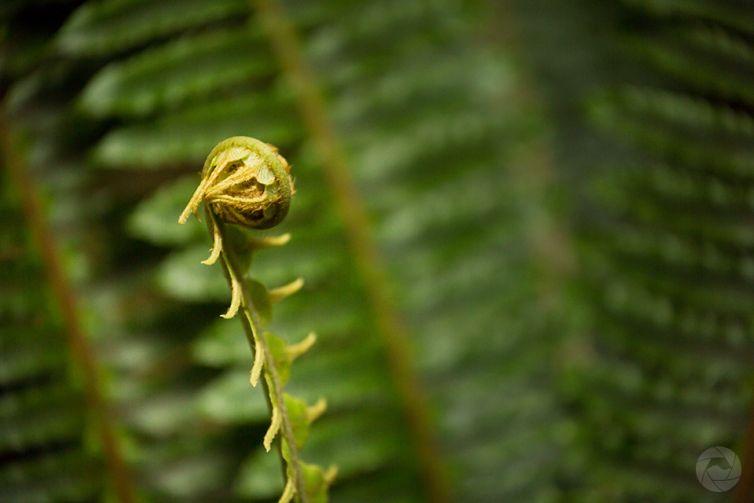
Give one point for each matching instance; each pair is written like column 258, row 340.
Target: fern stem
column 81, row 351
column 273, row 389
column 394, row 333
column 533, row 170
column 745, row 488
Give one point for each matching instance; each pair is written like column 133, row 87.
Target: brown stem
column 395, row 336
column 745, row 487
column 79, row 346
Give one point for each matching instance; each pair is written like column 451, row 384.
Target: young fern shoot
column 246, row 183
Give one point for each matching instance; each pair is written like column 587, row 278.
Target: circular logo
column 718, row 469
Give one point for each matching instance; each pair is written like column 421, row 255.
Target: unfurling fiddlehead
column 246, row 182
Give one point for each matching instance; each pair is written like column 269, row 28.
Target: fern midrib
column 311, row 106
column 64, row 295
column 550, row 244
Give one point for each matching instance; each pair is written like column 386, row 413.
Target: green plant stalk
column 250, row 320
column 248, row 183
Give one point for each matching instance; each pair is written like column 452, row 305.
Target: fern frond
column 669, row 267
column 45, row 354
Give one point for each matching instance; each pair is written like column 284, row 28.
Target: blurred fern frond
column 670, row 262
column 44, row 451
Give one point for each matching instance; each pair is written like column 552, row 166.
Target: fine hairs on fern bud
column 246, row 182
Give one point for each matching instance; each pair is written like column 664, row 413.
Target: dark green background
column 561, row 194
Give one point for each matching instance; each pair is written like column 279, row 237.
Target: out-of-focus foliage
column 668, row 263
column 466, row 136
column 43, row 446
